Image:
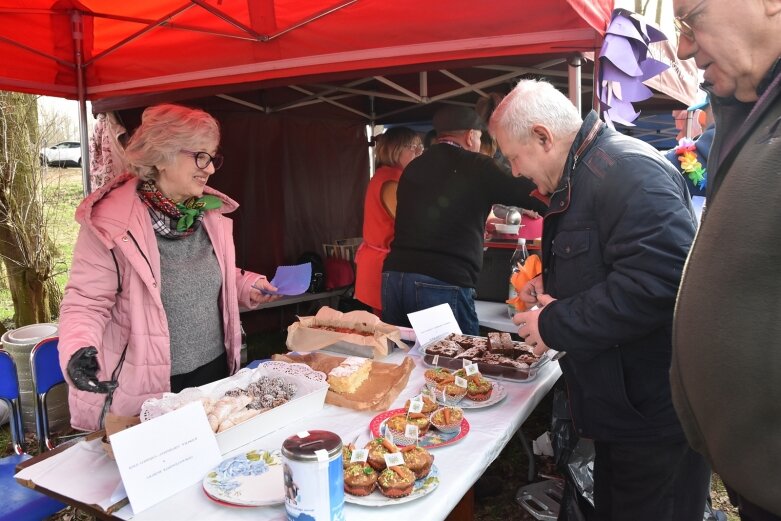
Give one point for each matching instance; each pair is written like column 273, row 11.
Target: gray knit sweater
column 190, row 290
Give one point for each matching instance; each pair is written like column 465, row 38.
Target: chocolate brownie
column 444, row 348
column 473, row 353
column 500, row 343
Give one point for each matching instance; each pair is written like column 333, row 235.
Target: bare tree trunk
column 25, row 247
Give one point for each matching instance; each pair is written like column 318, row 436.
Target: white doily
column 305, row 378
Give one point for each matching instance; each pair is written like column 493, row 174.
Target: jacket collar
column 582, row 143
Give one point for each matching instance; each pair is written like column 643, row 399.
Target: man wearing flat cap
column 444, row 198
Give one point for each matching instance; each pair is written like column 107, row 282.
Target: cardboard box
column 308, row 400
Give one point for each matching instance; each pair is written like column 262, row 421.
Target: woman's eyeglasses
column 204, row 159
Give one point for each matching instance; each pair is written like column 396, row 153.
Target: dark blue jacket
column 615, row 239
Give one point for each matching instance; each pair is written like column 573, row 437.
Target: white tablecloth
column 460, row 464
column 494, row 315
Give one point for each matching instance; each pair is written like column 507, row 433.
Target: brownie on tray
column 445, row 348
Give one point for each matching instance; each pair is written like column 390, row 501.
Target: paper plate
column 431, row 440
column 251, row 479
column 422, row 487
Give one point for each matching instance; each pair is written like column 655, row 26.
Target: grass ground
column 62, row 193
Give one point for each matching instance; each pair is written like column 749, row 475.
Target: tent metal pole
column 78, row 39
column 573, row 82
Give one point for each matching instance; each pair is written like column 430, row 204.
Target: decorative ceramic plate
column 251, row 479
column 499, row 393
column 422, row 487
column 431, row 440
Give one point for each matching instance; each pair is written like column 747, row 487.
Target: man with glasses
column 444, row 198
column 726, row 368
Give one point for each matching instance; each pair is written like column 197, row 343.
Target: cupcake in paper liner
column 436, row 376
column 396, row 426
column 449, row 393
column 447, row 419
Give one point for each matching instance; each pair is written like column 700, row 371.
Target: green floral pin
column 193, row 207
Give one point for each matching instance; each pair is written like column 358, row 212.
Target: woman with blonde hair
column 152, row 304
column 395, row 149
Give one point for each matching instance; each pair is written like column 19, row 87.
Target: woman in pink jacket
column 152, row 304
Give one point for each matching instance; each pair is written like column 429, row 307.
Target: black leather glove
column 83, row 371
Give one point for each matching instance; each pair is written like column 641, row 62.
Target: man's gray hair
column 534, row 102
column 165, row 130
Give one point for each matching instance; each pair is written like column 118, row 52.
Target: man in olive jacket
column 615, row 237
column 726, row 368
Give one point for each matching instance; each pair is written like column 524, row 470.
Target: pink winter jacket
column 95, row 313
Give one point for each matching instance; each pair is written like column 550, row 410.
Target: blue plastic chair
column 46, row 374
column 18, row 502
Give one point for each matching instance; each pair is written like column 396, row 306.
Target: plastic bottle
column 516, row 263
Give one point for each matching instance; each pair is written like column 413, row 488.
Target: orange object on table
column 530, row 269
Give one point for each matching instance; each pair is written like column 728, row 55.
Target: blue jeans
column 404, row 293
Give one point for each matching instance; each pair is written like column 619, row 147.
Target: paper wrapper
column 302, row 337
column 383, row 385
column 112, row 425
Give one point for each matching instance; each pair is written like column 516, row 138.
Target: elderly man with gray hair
column 726, row 369
column 617, row 231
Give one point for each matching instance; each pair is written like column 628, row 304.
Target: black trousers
column 649, row 482
column 207, row 373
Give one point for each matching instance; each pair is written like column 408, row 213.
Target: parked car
column 67, row 152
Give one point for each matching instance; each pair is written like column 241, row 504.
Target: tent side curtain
column 159, row 45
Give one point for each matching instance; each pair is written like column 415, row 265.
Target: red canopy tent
column 293, row 83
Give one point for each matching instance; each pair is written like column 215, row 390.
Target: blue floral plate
column 251, row 479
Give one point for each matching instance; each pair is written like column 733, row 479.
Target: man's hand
column 83, row 371
column 529, row 323
column 531, row 290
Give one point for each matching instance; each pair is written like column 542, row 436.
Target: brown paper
column 383, row 385
column 113, row 424
column 302, row 337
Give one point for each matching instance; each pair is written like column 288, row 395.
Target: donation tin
column 314, row 476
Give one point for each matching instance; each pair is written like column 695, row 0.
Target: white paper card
column 359, row 455
column 411, row 431
column 461, row 382
column 471, row 369
column 163, row 456
column 433, row 322
column 394, row 458
column 415, row 406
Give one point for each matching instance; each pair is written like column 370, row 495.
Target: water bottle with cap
column 516, row 264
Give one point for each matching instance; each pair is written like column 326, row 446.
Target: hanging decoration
column 624, row 64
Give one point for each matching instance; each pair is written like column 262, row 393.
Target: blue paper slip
column 292, row 280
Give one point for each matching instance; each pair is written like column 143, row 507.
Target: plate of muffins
column 443, row 425
column 373, row 483
column 479, row 391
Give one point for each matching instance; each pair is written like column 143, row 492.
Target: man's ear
column 543, row 136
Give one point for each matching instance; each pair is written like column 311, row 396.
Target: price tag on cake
column 415, row 405
column 360, row 455
column 393, row 459
column 471, row 369
column 411, row 431
column 435, row 360
column 461, row 382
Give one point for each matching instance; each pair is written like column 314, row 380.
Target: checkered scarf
column 167, row 217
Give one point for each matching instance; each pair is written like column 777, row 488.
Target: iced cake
column 348, row 376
